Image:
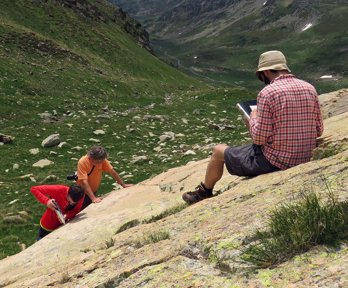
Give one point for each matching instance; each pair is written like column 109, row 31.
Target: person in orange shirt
column 90, row 170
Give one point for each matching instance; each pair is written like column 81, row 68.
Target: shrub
column 296, row 227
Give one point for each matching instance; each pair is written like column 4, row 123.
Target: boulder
column 51, row 141
column 43, row 163
column 6, row 139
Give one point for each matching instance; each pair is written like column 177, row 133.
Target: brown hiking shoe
column 198, row 195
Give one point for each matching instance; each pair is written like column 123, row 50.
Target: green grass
column 166, row 213
column 65, row 63
column 152, row 238
column 294, row 228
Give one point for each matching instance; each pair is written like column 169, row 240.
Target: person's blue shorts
column 247, row 160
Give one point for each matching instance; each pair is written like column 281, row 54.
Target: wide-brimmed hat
column 272, row 60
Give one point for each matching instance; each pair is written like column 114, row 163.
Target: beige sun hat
column 272, row 60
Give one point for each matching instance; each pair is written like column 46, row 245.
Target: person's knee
column 218, row 151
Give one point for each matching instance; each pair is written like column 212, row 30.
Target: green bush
column 296, row 227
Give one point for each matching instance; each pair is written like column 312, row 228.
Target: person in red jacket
column 68, row 199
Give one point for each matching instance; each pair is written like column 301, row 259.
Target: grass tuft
column 166, row 213
column 109, row 243
column 296, row 227
column 128, row 225
column 152, row 238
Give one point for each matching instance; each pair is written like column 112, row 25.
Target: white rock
column 15, row 166
column 157, row 149
column 180, row 135
column 189, row 152
column 34, row 151
column 326, row 77
column 93, row 140
column 51, row 141
column 27, row 176
column 99, row 132
column 61, row 144
column 163, row 138
column 137, row 159
column 42, row 163
column 13, row 201
column 77, row 148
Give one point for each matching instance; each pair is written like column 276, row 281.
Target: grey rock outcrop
column 51, row 141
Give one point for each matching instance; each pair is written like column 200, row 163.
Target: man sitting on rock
column 90, row 169
column 284, row 129
column 68, row 199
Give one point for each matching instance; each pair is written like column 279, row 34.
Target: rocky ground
column 163, row 243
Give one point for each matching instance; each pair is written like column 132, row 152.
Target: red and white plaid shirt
column 288, row 121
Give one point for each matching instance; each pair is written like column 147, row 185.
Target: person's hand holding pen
column 51, row 204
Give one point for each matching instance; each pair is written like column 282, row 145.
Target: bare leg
column 215, row 167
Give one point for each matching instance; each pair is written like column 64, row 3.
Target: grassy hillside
column 73, row 70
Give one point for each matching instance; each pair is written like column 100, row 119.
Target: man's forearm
column 88, row 190
column 116, row 177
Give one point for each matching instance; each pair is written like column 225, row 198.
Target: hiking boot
column 199, row 194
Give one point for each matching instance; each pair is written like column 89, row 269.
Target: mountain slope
column 223, row 39
column 79, row 69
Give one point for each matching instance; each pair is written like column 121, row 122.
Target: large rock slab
column 204, row 239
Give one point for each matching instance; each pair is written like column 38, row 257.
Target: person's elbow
column 84, row 183
column 258, row 139
column 320, row 131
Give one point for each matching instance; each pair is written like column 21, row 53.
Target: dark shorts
column 86, row 202
column 42, row 233
column 247, row 160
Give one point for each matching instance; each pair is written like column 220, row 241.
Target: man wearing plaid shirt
column 284, row 129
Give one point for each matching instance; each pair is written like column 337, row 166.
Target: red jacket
column 49, row 220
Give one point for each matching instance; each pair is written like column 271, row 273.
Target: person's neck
column 280, row 73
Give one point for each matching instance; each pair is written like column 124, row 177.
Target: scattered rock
column 189, row 152
column 77, row 148
column 137, row 159
column 166, row 136
column 61, row 144
column 34, row 151
column 221, row 127
column 13, row 201
column 24, row 214
column 99, row 132
column 13, row 219
column 6, row 139
column 155, row 118
column 50, row 179
column 42, row 163
column 15, row 166
column 27, row 176
column 51, row 141
column 93, row 140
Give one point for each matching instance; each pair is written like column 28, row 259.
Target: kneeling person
column 69, row 199
column 90, row 169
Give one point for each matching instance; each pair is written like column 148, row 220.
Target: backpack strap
column 91, row 171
